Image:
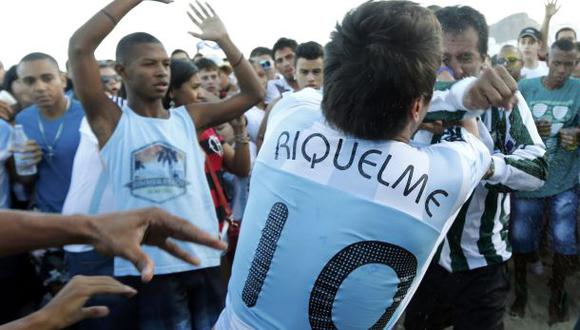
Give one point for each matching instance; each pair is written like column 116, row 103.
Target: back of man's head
column 310, row 50
column 456, row 19
column 125, row 48
column 38, row 56
column 205, row 64
column 284, row 43
column 259, row 51
column 379, row 62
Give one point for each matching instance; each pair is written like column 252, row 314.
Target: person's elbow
column 75, row 48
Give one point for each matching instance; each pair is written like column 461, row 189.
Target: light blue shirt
column 338, row 231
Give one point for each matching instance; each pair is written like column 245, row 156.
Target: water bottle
column 23, row 166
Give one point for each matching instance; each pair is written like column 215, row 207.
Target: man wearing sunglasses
column 511, row 58
column 110, row 79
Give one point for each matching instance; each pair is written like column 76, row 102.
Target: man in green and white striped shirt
column 467, row 274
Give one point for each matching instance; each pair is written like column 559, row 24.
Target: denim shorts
column 526, row 222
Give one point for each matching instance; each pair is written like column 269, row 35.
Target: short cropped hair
column 206, row 64
column 38, row 56
column 309, row 50
column 563, row 44
column 259, row 51
column 284, row 43
column 124, row 53
column 379, row 61
column 456, row 19
column 566, row 28
column 177, row 51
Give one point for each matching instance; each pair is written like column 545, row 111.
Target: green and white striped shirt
column 479, row 235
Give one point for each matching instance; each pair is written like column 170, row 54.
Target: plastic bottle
column 23, row 166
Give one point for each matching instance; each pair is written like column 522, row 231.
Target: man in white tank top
column 151, row 158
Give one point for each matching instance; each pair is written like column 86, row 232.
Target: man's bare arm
column 264, row 124
column 118, row 234
column 102, row 113
column 251, row 92
column 551, row 8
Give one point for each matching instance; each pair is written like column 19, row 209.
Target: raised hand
column 211, row 26
column 551, row 7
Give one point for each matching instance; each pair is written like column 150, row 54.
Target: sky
column 41, row 25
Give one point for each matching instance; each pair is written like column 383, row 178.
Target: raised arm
column 102, row 113
column 251, row 92
column 264, row 124
column 551, row 8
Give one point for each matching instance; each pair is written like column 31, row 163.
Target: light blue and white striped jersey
column 157, row 162
column 338, row 231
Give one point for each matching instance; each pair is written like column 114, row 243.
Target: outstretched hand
column 122, row 234
column 551, row 7
column 67, row 308
column 211, row 26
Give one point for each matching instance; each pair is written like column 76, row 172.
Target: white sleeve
column 474, row 154
column 447, row 104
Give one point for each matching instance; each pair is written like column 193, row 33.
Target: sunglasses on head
column 108, row 79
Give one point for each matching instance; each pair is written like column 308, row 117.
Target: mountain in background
column 508, row 28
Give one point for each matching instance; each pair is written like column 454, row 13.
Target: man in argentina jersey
column 344, row 215
column 467, row 286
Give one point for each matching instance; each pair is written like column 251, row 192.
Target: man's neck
column 292, row 82
column 55, row 111
column 551, row 84
column 148, row 108
column 531, row 63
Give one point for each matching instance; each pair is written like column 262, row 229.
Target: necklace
column 49, row 147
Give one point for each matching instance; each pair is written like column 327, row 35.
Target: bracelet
column 241, row 139
column 104, row 12
column 239, row 60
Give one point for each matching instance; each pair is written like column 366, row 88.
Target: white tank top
column 157, row 162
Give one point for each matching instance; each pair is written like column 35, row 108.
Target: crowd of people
column 400, row 169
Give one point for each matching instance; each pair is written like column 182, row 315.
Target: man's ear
column 121, row 71
column 417, row 109
column 63, row 79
